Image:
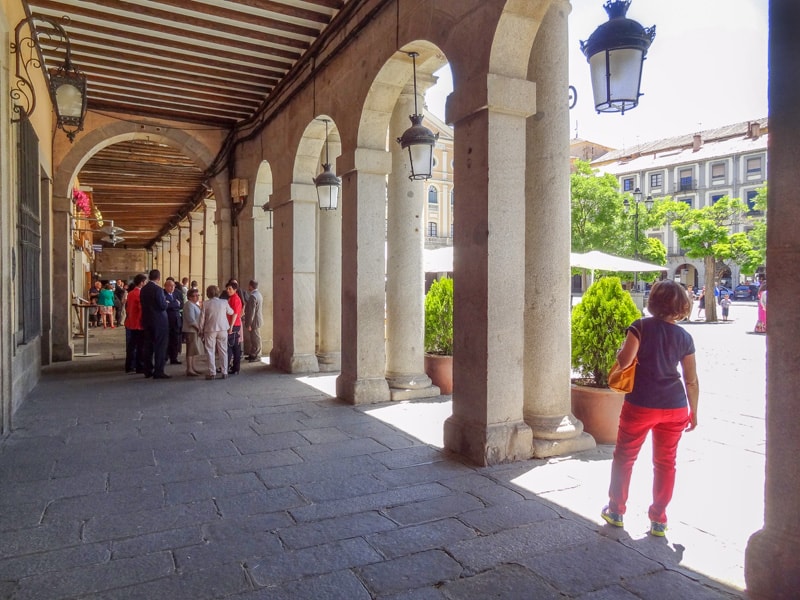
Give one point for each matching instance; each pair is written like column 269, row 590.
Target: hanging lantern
column 418, row 139
column 616, row 51
column 327, row 182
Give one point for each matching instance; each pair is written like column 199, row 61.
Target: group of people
column 725, row 301
column 108, row 304
column 160, row 320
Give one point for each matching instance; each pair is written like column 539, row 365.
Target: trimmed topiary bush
column 439, row 317
column 598, row 329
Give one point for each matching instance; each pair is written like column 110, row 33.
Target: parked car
column 746, row 292
column 722, row 291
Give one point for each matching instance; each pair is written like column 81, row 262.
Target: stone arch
column 687, row 274
column 311, row 149
column 386, row 87
column 93, row 141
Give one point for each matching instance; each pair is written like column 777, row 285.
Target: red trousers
column 635, row 422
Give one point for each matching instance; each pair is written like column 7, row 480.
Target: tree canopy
column 600, row 221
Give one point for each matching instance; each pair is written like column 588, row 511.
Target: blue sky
column 707, row 67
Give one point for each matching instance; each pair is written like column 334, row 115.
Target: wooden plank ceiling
column 208, row 63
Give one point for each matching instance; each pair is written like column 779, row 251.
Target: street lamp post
column 648, row 204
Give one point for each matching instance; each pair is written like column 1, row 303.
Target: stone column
column 294, row 277
column 329, row 290
column 362, row 379
column 224, row 229
column 772, row 560
column 211, row 274
column 62, row 287
column 487, row 423
column 262, row 271
column 195, row 272
column 547, row 245
column 166, row 256
column 405, row 276
column 174, row 254
column 184, row 251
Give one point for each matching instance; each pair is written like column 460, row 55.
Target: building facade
column 697, row 169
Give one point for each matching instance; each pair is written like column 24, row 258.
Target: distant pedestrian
column 191, row 331
column 134, row 332
column 660, row 402
column 105, row 303
column 701, row 303
column 234, row 337
column 253, row 321
column 155, row 325
column 761, row 323
column 725, row 303
column 216, row 322
column 175, row 321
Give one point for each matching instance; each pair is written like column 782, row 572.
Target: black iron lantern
column 67, row 84
column 616, row 51
column 418, row 139
column 327, row 182
column 268, row 210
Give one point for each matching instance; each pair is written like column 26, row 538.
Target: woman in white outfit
column 215, row 324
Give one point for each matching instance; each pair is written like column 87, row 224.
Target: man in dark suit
column 174, row 319
column 156, row 327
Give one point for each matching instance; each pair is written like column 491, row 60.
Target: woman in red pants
column 660, row 401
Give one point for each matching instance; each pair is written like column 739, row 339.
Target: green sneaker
column 658, row 529
column 612, row 518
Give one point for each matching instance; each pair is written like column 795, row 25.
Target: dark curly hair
column 669, row 301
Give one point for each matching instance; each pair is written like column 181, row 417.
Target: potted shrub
column 599, row 326
column 439, row 334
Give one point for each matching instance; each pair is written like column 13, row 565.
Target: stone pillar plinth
column 294, row 281
column 329, row 290
column 547, row 246
column 772, row 560
column 362, row 379
column 405, row 277
column 487, row 423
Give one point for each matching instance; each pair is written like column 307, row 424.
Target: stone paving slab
column 264, row 487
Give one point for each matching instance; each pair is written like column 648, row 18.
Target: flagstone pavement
column 261, row 486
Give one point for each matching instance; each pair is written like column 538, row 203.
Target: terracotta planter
column 598, row 409
column 440, row 369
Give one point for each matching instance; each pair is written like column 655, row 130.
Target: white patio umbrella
column 439, row 260
column 601, row 261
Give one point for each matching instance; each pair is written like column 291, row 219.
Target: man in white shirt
column 215, row 324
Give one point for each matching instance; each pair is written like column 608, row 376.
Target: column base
column 329, row 361
column 411, row 387
column 488, row 445
column 772, row 565
column 558, row 435
column 362, row 391
column 294, row 363
column 414, row 394
column 62, row 353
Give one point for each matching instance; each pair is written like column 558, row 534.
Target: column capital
column 507, row 95
column 294, row 192
column 365, row 160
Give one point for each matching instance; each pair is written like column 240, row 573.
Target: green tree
column 757, row 257
column 705, row 233
column 599, row 220
column 597, row 217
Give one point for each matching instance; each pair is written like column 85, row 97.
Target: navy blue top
column 662, row 346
